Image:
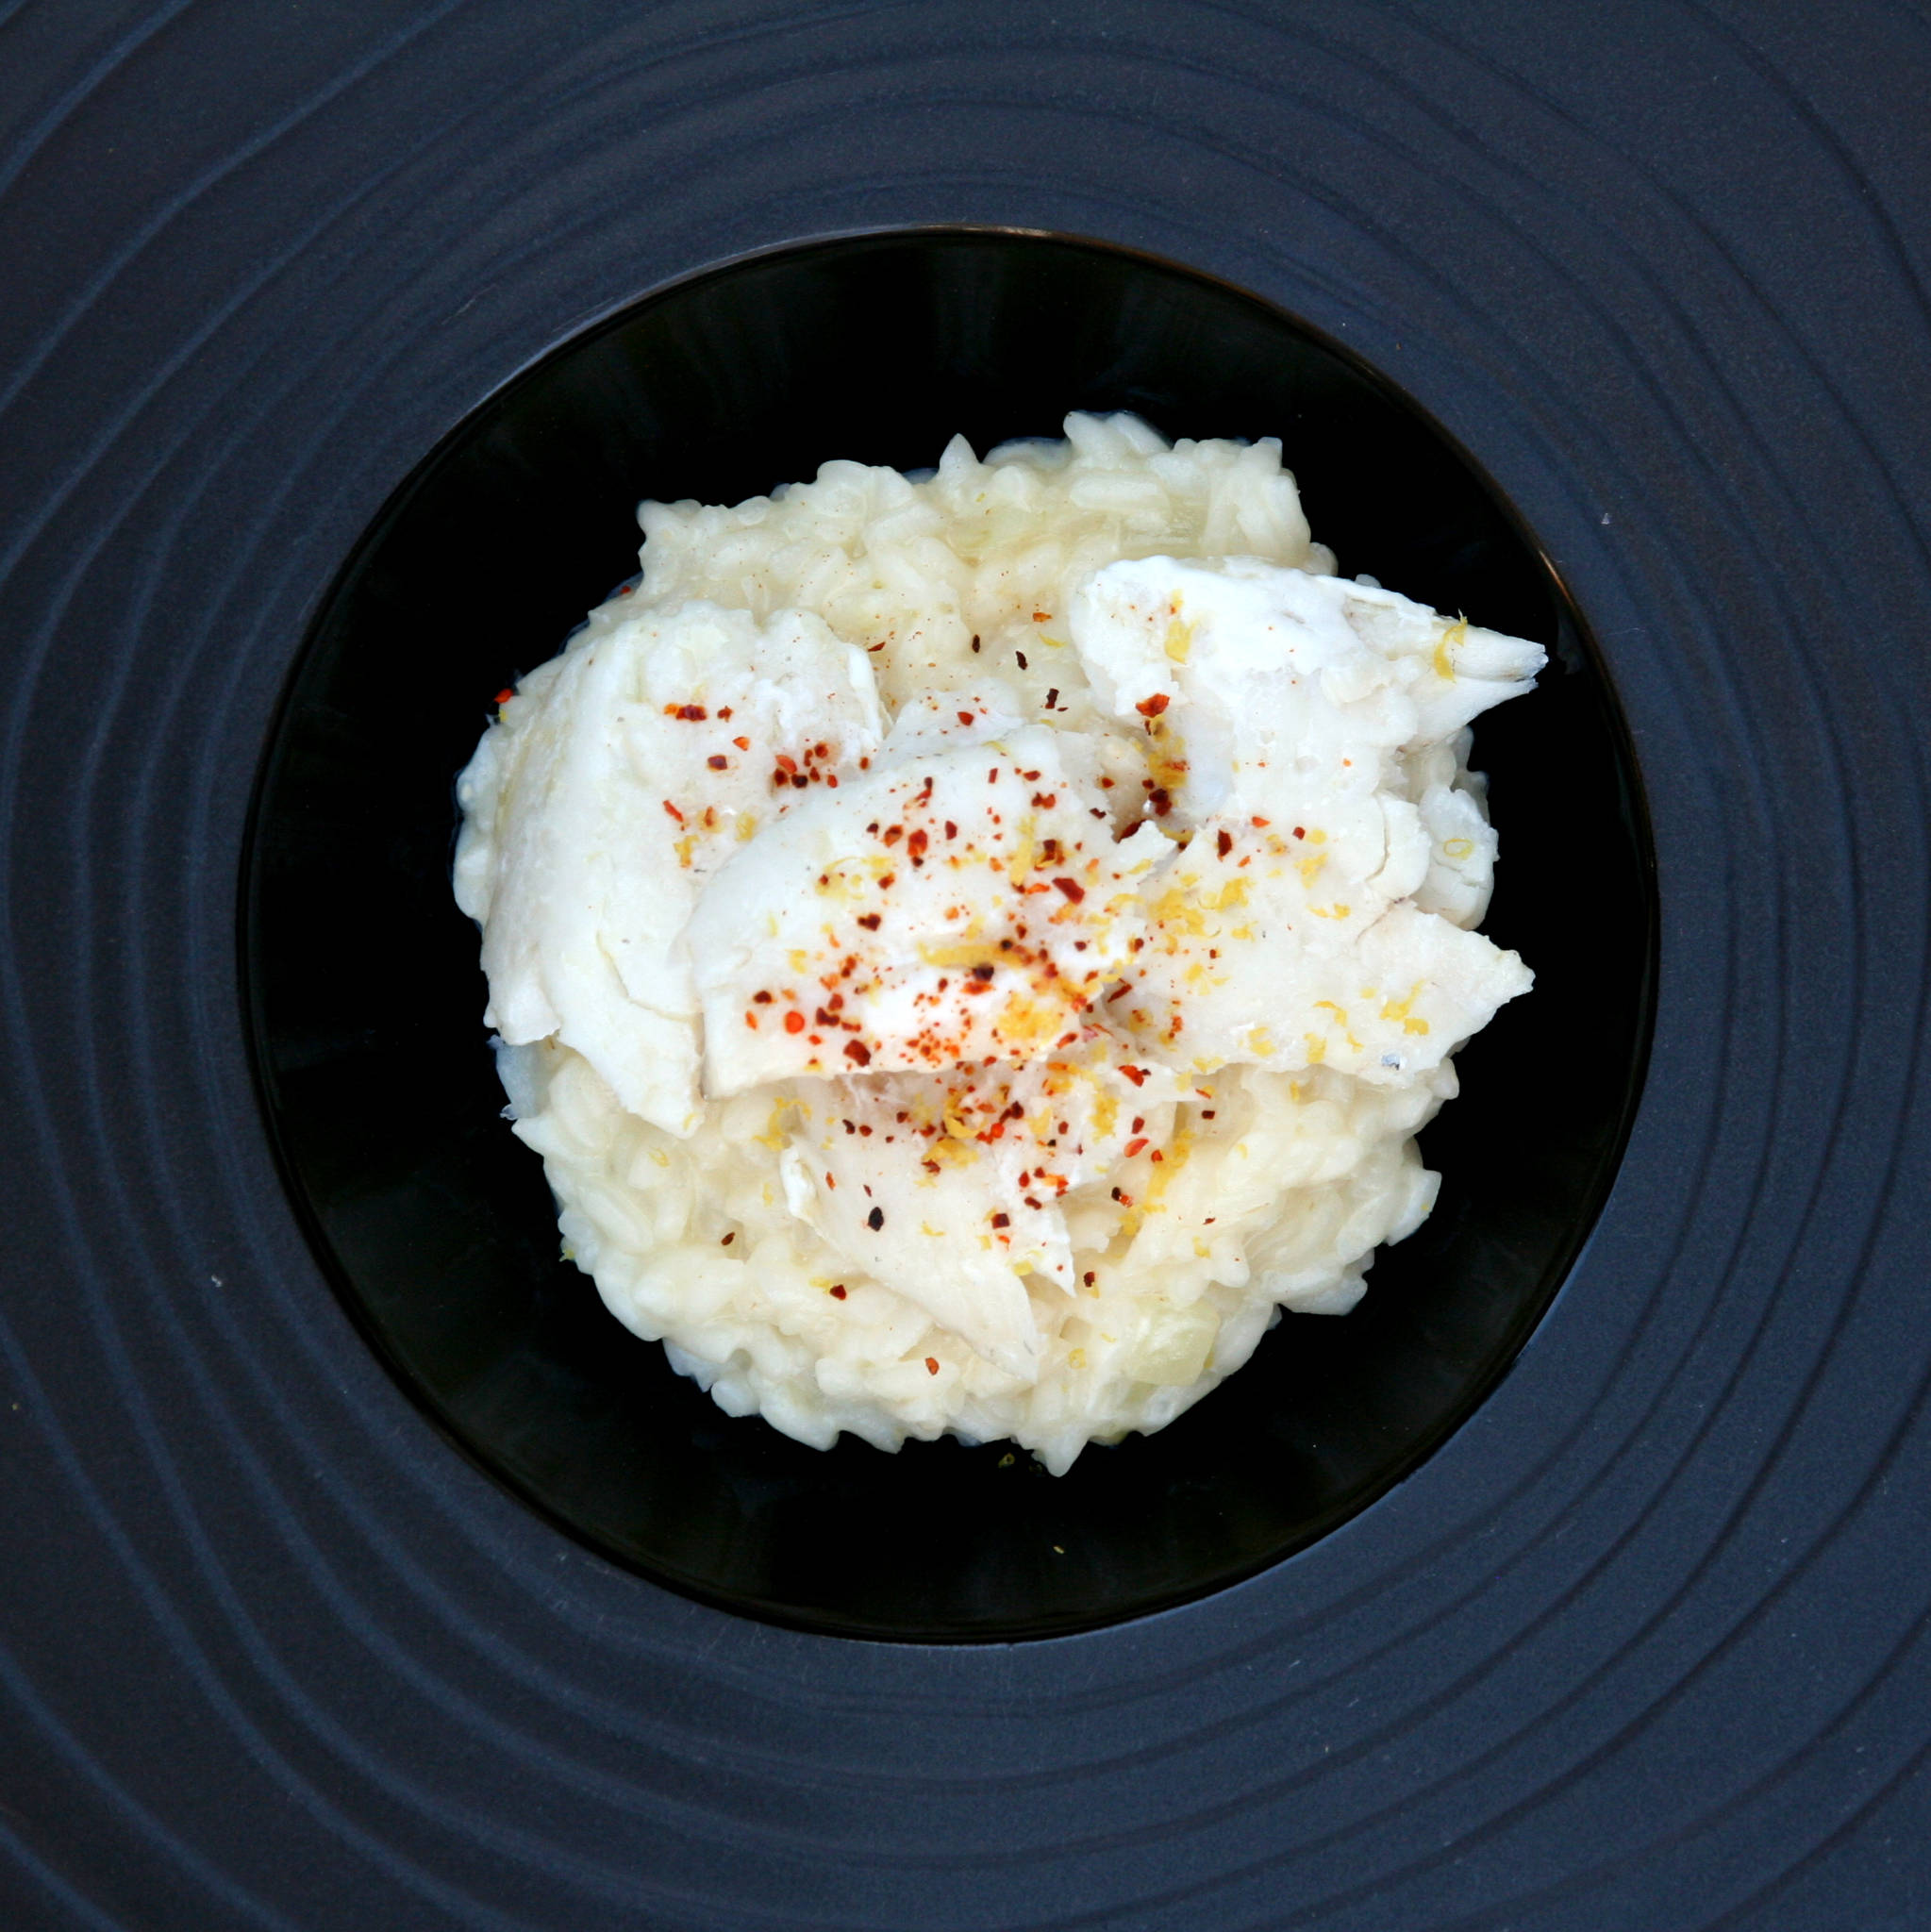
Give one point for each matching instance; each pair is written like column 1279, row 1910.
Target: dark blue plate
column 1641, row 1644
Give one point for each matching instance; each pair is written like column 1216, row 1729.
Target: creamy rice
column 970, row 950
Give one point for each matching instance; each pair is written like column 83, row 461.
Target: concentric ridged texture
column 1644, row 1646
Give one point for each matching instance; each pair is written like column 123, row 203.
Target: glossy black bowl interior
column 365, row 996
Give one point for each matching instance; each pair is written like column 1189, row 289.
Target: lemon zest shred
column 954, row 953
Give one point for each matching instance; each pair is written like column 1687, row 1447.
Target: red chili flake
column 504, row 697
column 890, row 881
column 831, row 1180
column 1224, row 842
column 728, row 1238
column 1088, row 1277
column 951, row 829
column 1052, row 697
column 1137, row 1074
column 992, row 776
column 964, row 717
column 800, row 780
column 786, row 765
column 876, row 1220
column 673, row 811
column 857, row 1051
column 831, row 780
column 1021, row 655
column 1133, row 1147
column 1072, row 887
column 1045, row 800
column 1157, row 1155
column 725, row 712
column 916, row 845
column 975, row 641
column 893, row 834
column 751, row 1019
column 1139, row 1121
column 1002, row 1220
column 692, row 714
column 1161, row 802
column 795, row 1021
column 716, row 761
column 983, row 971
column 1153, row 706
column 837, row 1291
column 1106, row 785
column 1206, row 1113
column 1299, row 833
column 869, row 920
column 742, row 743
column 931, row 1365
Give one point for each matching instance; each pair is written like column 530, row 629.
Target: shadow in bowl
column 364, row 994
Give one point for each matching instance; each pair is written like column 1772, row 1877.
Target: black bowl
column 365, row 996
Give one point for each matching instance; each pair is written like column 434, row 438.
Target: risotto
column 971, row 949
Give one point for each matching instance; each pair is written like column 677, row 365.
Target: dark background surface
column 1643, row 1646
